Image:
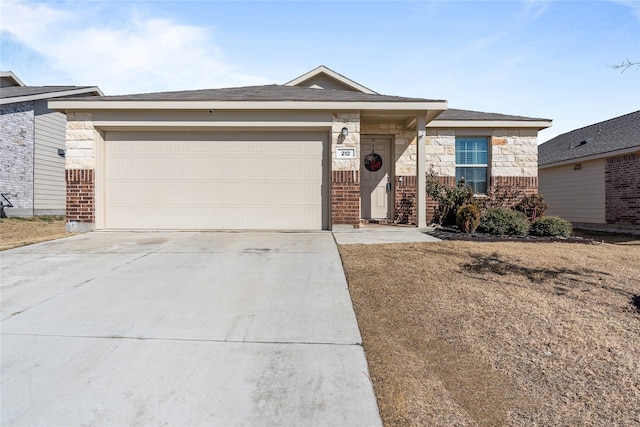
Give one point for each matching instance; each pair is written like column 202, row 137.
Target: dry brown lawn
column 490, row 334
column 15, row 232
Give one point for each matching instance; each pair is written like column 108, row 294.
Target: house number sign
column 345, row 153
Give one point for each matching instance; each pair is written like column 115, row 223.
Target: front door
column 375, row 174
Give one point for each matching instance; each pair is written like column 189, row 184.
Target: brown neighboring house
column 319, row 152
column 591, row 176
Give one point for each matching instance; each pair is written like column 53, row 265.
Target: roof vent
column 585, row 141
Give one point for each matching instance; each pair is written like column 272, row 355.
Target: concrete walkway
column 117, row 328
column 381, row 234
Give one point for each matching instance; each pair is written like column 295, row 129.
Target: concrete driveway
column 124, row 328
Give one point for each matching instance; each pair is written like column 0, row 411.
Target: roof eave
column 49, row 95
column 98, row 104
column 631, row 150
column 536, row 124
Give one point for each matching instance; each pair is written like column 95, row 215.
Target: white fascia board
column 215, row 125
column 97, row 104
column 631, row 150
column 448, row 124
column 49, row 95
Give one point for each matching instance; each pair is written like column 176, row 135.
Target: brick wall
column 345, row 197
column 622, row 189
column 80, row 195
column 528, row 184
column 405, row 199
column 16, row 156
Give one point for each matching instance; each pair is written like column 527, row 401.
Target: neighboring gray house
column 319, row 152
column 591, row 176
column 32, row 146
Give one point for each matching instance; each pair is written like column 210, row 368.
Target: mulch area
column 446, row 233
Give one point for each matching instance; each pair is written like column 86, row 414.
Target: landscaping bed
column 447, row 233
column 500, row 333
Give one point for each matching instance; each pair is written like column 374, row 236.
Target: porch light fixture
column 344, row 132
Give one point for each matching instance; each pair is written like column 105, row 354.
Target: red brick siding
column 622, row 189
column 345, row 197
column 528, row 184
column 405, row 199
column 80, row 195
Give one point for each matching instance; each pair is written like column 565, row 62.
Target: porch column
column 421, row 170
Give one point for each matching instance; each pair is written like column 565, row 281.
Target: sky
column 535, row 58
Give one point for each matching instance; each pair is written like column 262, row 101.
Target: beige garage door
column 198, row 180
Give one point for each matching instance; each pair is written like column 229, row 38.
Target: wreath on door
column 373, row 162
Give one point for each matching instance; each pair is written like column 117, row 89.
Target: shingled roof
column 468, row 115
column 263, row 93
column 19, row 91
column 609, row 136
column 13, row 94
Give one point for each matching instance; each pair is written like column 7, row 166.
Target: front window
column 472, row 157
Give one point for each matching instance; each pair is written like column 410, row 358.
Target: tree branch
column 625, row 65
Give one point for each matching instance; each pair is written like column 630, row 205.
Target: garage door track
column 124, row 328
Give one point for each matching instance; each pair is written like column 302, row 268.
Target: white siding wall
column 49, row 182
column 575, row 195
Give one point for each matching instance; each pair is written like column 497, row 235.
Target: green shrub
column 447, row 199
column 533, row 206
column 501, row 221
column 551, row 226
column 503, row 196
column 468, row 218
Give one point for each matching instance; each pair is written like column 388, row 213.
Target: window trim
column 486, row 166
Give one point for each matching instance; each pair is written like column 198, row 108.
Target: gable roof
column 467, row 118
column 9, row 79
column 603, row 139
column 257, row 98
column 323, row 71
column 262, row 93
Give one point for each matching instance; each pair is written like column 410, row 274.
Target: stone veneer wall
column 17, row 141
column 345, row 173
column 514, row 152
column 622, row 190
column 80, row 164
column 513, row 158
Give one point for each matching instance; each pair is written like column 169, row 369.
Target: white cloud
column 532, row 10
column 141, row 55
column 634, row 5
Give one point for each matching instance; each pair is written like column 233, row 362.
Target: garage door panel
column 198, row 184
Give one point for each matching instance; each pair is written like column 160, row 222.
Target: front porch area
column 382, row 180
